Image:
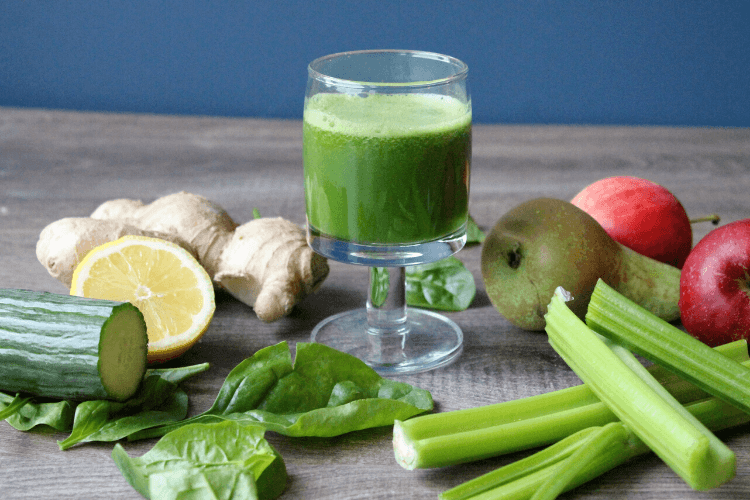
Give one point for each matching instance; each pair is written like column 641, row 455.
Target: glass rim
column 461, row 72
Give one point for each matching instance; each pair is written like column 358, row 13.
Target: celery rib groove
column 613, row 316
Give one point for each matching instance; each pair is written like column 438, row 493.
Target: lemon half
column 164, row 281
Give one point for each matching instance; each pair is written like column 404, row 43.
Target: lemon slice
column 167, row 284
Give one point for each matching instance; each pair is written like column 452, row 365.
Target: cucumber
column 68, row 347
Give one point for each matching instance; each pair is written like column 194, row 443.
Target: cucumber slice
column 68, row 347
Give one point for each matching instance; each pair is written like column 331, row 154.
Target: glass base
column 428, row 341
column 384, row 255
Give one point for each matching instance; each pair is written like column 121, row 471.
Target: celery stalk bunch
column 621, row 411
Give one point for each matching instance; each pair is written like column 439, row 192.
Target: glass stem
column 386, row 302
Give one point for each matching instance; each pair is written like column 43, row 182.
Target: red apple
column 640, row 214
column 715, row 286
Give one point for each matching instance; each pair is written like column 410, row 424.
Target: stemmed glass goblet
column 387, row 151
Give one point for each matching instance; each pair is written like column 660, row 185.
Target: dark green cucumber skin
column 49, row 343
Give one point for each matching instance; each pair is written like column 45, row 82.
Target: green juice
column 386, row 169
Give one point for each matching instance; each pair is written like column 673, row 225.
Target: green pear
column 545, row 243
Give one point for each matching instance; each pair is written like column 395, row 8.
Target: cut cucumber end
column 123, row 349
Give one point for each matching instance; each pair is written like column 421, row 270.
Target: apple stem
column 712, row 218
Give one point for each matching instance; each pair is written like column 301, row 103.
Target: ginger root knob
column 284, row 268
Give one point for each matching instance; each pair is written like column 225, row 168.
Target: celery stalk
column 659, row 420
column 587, row 453
column 614, row 316
column 518, row 472
column 520, row 480
column 534, row 474
column 449, row 438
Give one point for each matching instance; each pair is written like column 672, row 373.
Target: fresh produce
column 569, row 418
column 593, row 451
column 70, row 347
column 545, row 243
column 631, row 326
column 474, row 234
column 621, row 382
column 54, row 414
column 449, row 438
column 265, row 263
column 642, row 215
column 324, row 393
column 538, row 475
column 163, row 280
column 221, row 460
column 13, row 406
column 715, row 285
column 445, row 285
column 158, row 401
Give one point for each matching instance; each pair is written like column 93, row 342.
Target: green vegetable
column 178, row 374
column 588, row 452
column 222, row 460
column 474, row 235
column 379, row 284
column 520, row 480
column 615, row 317
column 55, row 414
column 444, row 285
column 581, row 456
column 68, row 347
column 621, row 382
column 13, row 406
column 159, row 401
column 324, row 393
column 448, row 438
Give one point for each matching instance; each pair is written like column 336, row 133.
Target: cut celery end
column 614, row 316
column 690, row 450
column 459, row 447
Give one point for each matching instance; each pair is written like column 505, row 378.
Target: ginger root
column 265, row 263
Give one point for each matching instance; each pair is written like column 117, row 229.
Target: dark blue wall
column 668, row 62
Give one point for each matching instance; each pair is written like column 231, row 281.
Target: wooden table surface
column 57, row 164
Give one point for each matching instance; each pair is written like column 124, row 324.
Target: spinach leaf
column 213, row 461
column 379, row 283
column 158, row 401
column 474, row 235
column 55, row 414
column 445, row 285
column 324, row 393
column 12, row 405
column 59, row 415
column 179, row 374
